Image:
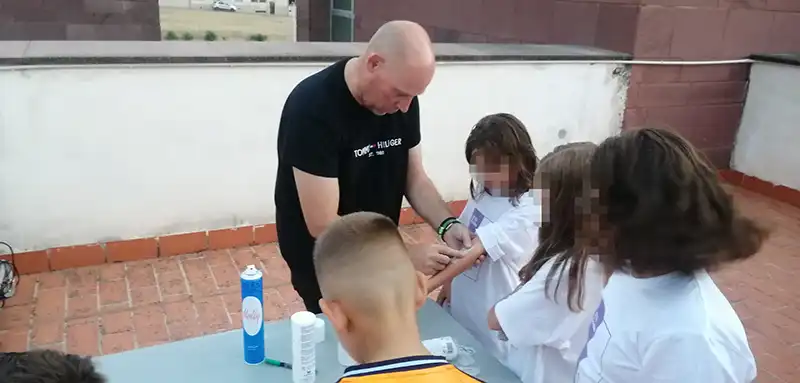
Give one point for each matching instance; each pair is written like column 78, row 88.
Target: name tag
column 475, row 220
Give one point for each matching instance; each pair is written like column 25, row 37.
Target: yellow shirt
column 412, row 369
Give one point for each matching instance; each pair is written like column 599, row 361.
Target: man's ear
column 374, row 61
column 422, row 290
column 335, row 315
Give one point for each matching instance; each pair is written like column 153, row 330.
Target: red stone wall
column 313, row 20
column 609, row 24
column 715, row 29
column 79, row 20
column 703, row 102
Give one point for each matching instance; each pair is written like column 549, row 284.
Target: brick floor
column 122, row 306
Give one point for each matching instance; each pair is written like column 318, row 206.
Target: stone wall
column 313, row 20
column 79, row 20
column 703, row 102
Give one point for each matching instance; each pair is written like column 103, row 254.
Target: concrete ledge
column 68, row 257
column 93, row 254
column 165, row 52
column 779, row 58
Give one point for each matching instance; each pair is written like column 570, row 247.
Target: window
column 342, row 17
column 344, row 5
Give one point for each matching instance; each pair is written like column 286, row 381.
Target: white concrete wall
column 768, row 141
column 95, row 154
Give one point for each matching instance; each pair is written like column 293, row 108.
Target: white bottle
column 305, row 334
column 445, row 347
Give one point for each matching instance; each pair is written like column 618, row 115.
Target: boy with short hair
column 370, row 294
column 47, row 366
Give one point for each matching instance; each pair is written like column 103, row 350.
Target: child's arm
column 494, row 323
column 538, row 314
column 514, row 234
column 457, row 265
column 444, row 295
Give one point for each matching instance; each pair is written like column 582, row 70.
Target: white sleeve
column 529, row 317
column 690, row 358
column 514, row 234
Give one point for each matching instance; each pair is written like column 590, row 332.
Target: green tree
column 257, row 37
column 210, row 36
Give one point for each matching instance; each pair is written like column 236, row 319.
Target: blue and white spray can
column 253, row 315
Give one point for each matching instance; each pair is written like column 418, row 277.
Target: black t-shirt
column 324, row 131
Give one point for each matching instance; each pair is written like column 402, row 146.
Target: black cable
column 15, row 277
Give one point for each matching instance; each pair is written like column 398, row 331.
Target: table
column 218, row 358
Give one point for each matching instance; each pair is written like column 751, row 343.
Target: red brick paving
column 117, row 307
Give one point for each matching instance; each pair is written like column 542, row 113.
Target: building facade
column 80, row 20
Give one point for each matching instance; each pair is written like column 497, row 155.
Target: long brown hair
column 563, row 176
column 664, row 207
column 503, row 135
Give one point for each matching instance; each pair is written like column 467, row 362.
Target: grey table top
column 219, row 357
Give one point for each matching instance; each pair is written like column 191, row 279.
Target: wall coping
column 202, row 52
column 779, row 58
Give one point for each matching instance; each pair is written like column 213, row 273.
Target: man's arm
column 421, row 193
column 319, row 199
column 311, row 147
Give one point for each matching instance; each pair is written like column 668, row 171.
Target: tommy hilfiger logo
column 377, row 149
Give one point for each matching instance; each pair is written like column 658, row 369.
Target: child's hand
column 480, row 257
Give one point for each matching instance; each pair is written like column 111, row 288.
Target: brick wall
column 703, row 102
column 313, row 20
column 610, row 24
column 79, row 20
column 714, row 29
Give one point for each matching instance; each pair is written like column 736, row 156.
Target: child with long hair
column 665, row 222
column 545, row 319
column 503, row 215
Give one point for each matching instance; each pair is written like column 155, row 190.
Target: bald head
column 397, row 66
column 362, row 262
column 402, row 40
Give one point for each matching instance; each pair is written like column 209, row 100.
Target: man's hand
column 458, row 237
column 429, row 259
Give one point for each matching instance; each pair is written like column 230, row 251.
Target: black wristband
column 445, row 226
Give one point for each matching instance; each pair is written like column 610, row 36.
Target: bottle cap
column 250, row 270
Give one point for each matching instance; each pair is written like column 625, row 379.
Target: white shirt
column 545, row 337
column 668, row 329
column 509, row 234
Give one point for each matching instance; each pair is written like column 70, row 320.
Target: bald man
column 349, row 141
